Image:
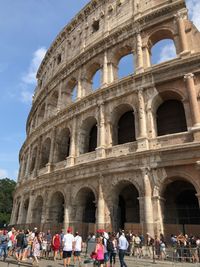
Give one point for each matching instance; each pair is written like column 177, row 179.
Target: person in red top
column 56, row 245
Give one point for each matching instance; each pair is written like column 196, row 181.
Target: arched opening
column 74, row 93
column 17, row 213
column 41, row 114
column 170, row 117
column 37, row 210
column 126, row 66
column 63, row 145
column 52, row 104
column 45, row 152
column 56, row 210
column 127, row 205
column 96, row 80
column 181, row 204
column 93, row 138
column 126, row 128
column 86, row 208
column 88, row 135
column 25, row 210
column 162, row 51
column 33, row 160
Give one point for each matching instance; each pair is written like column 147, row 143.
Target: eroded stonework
column 124, row 155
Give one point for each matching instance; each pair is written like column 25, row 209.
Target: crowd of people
column 102, row 247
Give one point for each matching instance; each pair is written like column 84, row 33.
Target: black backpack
column 109, row 245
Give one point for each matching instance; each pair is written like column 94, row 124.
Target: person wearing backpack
column 123, row 246
column 113, row 252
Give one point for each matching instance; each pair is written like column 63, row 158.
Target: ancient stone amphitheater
column 125, row 154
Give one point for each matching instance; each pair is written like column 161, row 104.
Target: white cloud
column 29, row 80
column 194, row 11
column 167, row 52
column 3, row 173
column 30, row 76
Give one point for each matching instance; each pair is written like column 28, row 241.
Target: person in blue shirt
column 123, row 246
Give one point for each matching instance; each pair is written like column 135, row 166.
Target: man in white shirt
column 68, row 247
column 77, row 248
column 123, row 246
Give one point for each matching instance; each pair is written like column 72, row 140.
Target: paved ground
column 131, row 262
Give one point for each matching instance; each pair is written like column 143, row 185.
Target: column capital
column 188, row 76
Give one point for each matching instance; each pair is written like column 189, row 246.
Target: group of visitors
column 34, row 245
column 23, row 245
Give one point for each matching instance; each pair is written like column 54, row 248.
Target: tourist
column 36, row 248
column 49, row 240
column 61, row 242
column 68, row 246
column 3, row 244
column 123, row 246
column 113, row 253
column 99, row 250
column 19, row 245
column 77, row 248
column 55, row 245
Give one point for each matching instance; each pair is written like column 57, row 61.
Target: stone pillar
column 189, row 79
column 72, row 154
column 66, row 216
column 147, row 202
column 182, row 34
column 140, row 64
column 142, row 139
column 112, row 72
column 146, row 56
column 38, row 157
column 28, row 161
column 158, row 203
column 100, row 207
column 105, row 69
column 51, row 154
column 102, row 132
column 79, row 88
column 30, row 207
column 13, row 214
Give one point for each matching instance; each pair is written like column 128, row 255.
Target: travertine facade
column 127, row 154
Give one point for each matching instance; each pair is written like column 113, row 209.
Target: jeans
column 121, row 258
column 3, row 249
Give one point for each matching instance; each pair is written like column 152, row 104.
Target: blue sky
column 27, row 29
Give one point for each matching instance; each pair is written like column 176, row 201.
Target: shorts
column 67, row 254
column 77, row 253
column 106, row 256
column 19, row 250
column 100, row 261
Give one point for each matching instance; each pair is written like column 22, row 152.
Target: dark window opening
column 126, row 128
column 59, row 59
column 95, row 26
column 93, row 139
column 171, row 118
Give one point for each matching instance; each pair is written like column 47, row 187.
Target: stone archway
column 25, row 211
column 181, row 208
column 56, row 208
column 126, row 202
column 86, row 207
column 37, row 210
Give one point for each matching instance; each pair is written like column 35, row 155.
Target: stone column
column 146, row 56
column 140, row 64
column 28, row 161
column 158, row 203
column 51, row 154
column 72, row 155
column 142, row 139
column 182, row 34
column 105, row 69
column 100, row 207
column 14, row 211
column 147, row 202
column 198, row 197
column 79, row 87
column 101, row 130
column 112, row 72
column 189, row 79
column 38, row 157
column 30, row 207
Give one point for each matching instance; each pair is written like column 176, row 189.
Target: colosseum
column 123, row 152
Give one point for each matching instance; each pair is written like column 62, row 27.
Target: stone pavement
column 131, row 262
